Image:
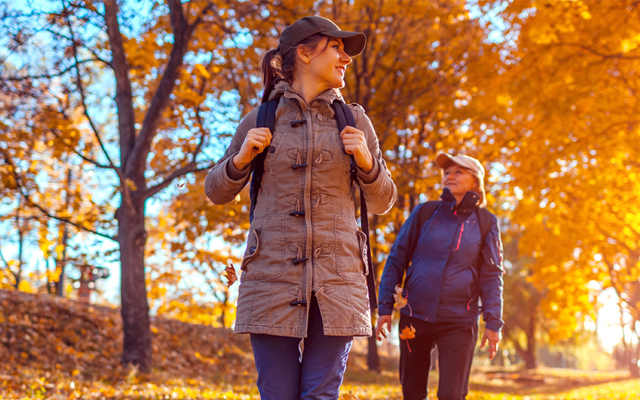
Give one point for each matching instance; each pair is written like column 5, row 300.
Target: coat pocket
column 253, row 245
column 264, row 256
column 349, row 251
column 362, row 243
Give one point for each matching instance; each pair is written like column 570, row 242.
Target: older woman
column 451, row 253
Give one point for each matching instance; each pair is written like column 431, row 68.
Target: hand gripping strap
column 344, row 117
column 266, row 119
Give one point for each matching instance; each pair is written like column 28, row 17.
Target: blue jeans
column 456, row 342
column 281, row 375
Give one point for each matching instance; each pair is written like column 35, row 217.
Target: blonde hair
column 482, row 201
column 479, row 187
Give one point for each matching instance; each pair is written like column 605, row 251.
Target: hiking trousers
column 281, row 374
column 456, row 342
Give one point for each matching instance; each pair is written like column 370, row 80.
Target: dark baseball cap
column 354, row 42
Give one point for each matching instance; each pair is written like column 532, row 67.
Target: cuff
column 494, row 326
column 385, row 309
column 369, row 177
column 235, row 173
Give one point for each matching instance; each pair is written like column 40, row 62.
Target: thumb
column 484, row 341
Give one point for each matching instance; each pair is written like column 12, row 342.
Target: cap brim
column 354, row 42
column 443, row 158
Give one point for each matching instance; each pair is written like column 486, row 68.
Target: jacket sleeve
column 490, row 279
column 224, row 181
column 379, row 190
column 398, row 261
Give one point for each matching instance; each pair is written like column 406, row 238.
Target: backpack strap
column 344, row 117
column 426, row 211
column 266, row 119
column 484, row 219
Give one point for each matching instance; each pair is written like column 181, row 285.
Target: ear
column 303, row 54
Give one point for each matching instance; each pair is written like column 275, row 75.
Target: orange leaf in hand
column 230, row 274
column 408, row 333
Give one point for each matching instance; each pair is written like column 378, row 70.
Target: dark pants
column 281, row 375
column 456, row 342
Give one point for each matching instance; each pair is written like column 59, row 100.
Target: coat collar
column 466, row 206
column 283, row 88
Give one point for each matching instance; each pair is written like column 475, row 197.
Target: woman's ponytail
column 279, row 67
column 268, row 74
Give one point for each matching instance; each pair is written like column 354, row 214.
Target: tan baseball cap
column 471, row 163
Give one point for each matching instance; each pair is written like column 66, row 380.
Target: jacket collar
column 283, row 88
column 466, row 206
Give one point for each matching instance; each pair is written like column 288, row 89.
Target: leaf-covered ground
column 53, row 348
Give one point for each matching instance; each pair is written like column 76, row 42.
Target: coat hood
column 283, row 88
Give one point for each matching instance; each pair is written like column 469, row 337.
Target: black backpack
column 344, row 117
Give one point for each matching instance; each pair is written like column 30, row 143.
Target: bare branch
column 83, row 96
column 182, row 32
column 26, row 196
column 619, row 56
column 191, row 167
column 49, row 76
column 76, row 152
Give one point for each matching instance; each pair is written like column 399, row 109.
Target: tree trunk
column 18, row 275
column 532, row 359
column 373, row 359
column 529, row 355
column 136, row 325
column 65, row 238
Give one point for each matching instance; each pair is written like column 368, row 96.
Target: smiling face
column 328, row 63
column 458, row 180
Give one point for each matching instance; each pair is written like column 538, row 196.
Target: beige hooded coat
column 326, row 235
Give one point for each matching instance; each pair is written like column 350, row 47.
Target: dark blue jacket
column 448, row 265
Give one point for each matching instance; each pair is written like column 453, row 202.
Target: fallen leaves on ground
column 55, row 348
column 52, row 347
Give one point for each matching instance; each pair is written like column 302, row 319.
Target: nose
column 345, row 58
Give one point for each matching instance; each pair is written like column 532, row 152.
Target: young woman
column 452, row 255
column 303, row 270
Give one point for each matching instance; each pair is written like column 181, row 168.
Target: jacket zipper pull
column 460, row 237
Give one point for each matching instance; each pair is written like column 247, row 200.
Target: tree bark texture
column 132, row 237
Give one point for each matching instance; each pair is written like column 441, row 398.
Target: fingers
column 484, row 340
column 380, row 330
column 493, row 349
column 352, row 139
column 258, row 138
column 355, row 144
column 255, row 142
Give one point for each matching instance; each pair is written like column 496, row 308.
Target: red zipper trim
column 460, row 237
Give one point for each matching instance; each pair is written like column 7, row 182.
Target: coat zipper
column 460, row 237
